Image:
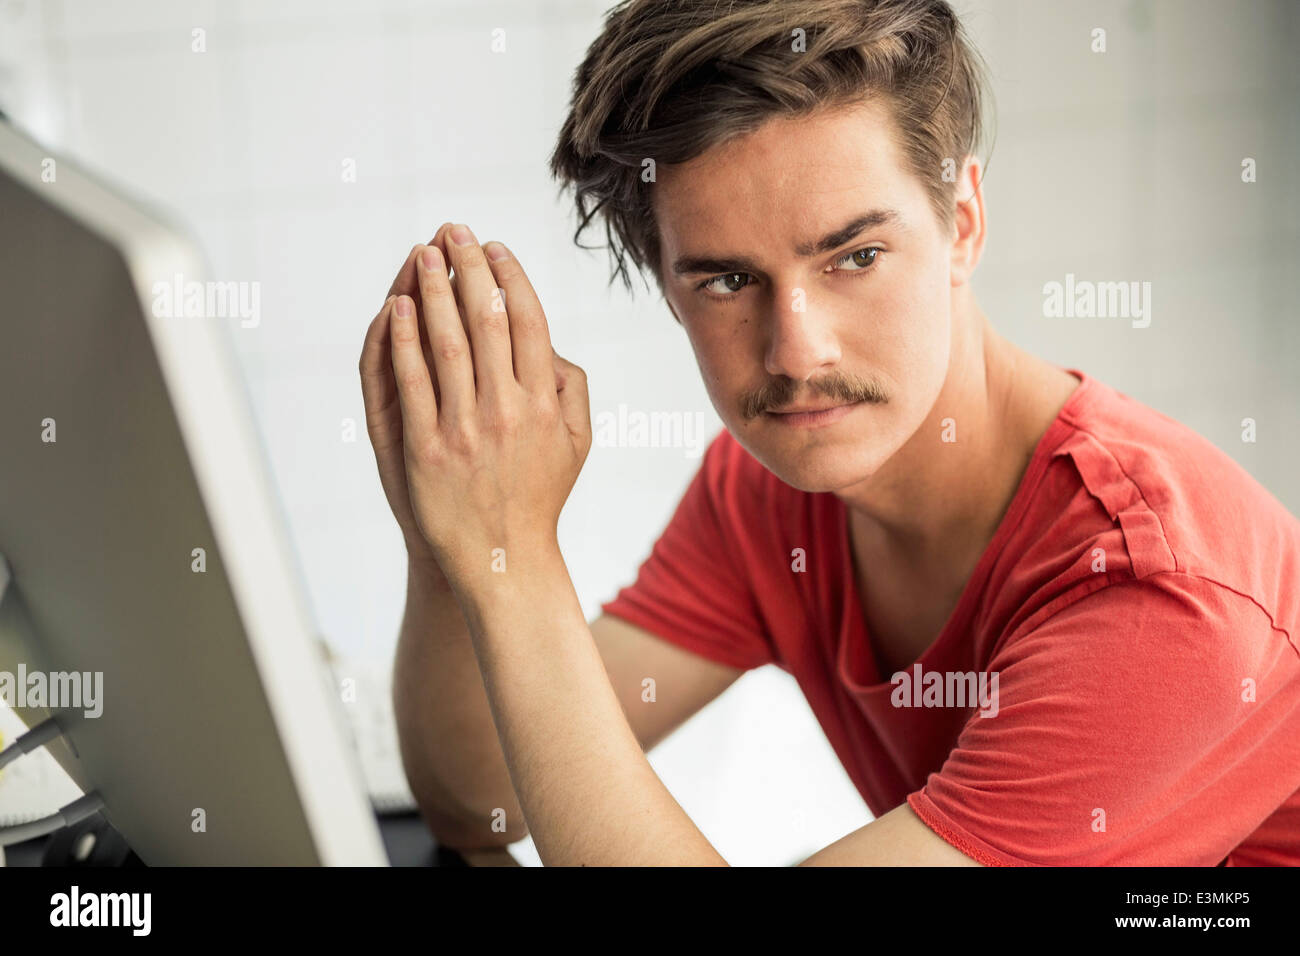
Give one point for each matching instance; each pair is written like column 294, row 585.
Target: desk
column 407, row 841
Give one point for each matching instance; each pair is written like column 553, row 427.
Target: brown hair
column 669, row 79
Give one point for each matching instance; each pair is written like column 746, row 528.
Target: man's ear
column 969, row 227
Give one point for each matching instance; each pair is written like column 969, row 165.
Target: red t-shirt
column 1147, row 713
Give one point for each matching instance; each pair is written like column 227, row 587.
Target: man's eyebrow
column 833, row 240
column 697, row 265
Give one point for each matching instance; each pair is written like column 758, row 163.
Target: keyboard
column 368, row 705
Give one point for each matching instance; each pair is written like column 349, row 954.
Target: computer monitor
column 146, row 545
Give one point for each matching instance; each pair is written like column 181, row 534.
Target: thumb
column 575, row 405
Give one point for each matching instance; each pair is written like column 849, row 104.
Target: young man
column 1039, row 622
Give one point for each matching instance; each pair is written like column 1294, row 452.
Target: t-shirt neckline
column 854, row 620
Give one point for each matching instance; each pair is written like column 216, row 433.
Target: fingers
column 376, row 381
column 485, row 312
column 502, row 336
column 448, row 344
column 530, row 339
column 414, row 388
column 406, row 282
column 575, row 404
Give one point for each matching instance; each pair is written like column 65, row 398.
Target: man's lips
column 805, row 416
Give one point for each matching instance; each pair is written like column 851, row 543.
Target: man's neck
column 935, row 505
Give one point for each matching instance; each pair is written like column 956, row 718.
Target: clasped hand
column 479, row 427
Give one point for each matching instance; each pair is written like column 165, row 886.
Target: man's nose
column 801, row 337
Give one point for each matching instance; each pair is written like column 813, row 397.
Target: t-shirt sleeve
column 1149, row 723
column 692, row 590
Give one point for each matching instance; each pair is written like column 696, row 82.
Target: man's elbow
column 464, row 831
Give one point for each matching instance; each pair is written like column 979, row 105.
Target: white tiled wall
column 1123, row 165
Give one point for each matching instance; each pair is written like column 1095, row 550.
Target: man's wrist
column 523, row 575
column 422, row 568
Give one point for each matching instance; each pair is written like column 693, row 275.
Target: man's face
column 780, row 319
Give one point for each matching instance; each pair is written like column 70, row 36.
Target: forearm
column 589, row 794
column 448, row 741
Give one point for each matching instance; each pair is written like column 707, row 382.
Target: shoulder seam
column 1251, row 598
column 1110, row 581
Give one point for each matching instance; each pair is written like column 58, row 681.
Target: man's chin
column 843, row 459
column 815, row 472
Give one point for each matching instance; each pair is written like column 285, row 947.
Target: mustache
column 782, row 391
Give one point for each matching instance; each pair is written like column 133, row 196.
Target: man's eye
column 857, row 259
column 729, row 283
column 732, row 282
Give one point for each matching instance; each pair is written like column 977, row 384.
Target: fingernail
column 461, row 235
column 432, row 257
column 495, row 251
column 404, row 307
